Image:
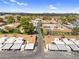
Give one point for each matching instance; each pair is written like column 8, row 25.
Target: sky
column 40, row 6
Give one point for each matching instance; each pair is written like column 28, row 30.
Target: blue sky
column 40, row 6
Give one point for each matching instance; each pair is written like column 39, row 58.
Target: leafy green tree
column 10, row 19
column 33, row 17
column 1, row 19
column 18, row 18
column 63, row 19
column 71, row 18
column 43, row 31
column 26, row 26
column 30, row 29
column 7, row 29
column 47, row 18
column 67, row 19
column 75, row 30
column 24, row 22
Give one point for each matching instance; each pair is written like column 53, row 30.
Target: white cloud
column 77, row 10
column 5, row 2
column 13, row 0
column 24, row 4
column 52, row 7
column 19, row 3
column 74, row 10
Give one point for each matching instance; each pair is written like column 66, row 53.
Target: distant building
column 13, row 25
column 35, row 22
column 76, row 23
column 56, row 28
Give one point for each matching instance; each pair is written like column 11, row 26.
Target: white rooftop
column 19, row 38
column 75, row 41
column 7, row 46
column 62, row 47
column 68, row 42
column 18, row 41
column 74, row 47
column 2, row 39
column 29, row 46
column 16, row 46
column 59, row 42
column 56, row 39
column 1, row 46
column 52, row 47
column 10, row 40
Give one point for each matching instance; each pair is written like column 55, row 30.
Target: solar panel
column 61, row 47
column 16, row 46
column 68, row 42
column 7, row 46
column 0, row 45
column 18, row 41
column 22, row 47
column 10, row 40
column 52, row 47
column 19, row 38
column 59, row 42
column 56, row 39
column 2, row 39
column 29, row 46
column 74, row 47
column 75, row 41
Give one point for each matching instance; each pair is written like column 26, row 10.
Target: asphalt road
column 40, row 50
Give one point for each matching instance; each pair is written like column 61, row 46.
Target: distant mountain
column 52, row 14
